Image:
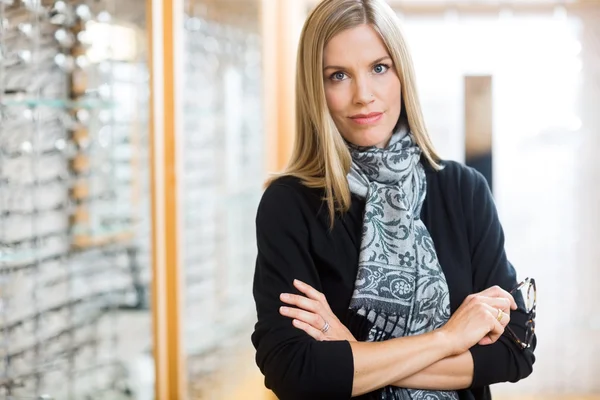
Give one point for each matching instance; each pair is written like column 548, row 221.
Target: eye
column 381, row 68
column 337, row 76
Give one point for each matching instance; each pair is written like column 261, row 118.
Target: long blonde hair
column 320, row 158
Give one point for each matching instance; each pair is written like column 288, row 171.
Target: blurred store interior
column 135, row 138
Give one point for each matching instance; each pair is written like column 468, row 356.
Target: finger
column 300, row 302
column 504, row 320
column 315, row 320
column 499, row 315
column 308, row 290
column 496, row 302
column 315, row 333
column 502, row 317
column 486, row 341
column 497, row 291
column 497, row 328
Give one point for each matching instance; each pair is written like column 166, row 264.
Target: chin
column 366, row 139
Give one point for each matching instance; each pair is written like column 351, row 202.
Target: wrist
column 446, row 342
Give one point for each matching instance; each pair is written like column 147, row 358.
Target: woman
column 381, row 270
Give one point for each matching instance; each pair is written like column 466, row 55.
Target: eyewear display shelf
column 68, row 181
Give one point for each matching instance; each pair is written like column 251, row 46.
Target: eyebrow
column 380, row 59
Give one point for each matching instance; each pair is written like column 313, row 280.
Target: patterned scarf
column 400, row 287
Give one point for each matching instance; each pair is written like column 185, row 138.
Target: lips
column 362, row 116
column 366, row 119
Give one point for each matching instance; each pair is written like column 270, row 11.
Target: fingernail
column 283, row 309
column 284, row 296
column 297, row 281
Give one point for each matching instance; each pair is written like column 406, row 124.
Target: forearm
column 376, row 364
column 451, row 373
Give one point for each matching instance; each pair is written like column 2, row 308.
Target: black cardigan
column 294, row 242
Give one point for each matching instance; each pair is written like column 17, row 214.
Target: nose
column 363, row 91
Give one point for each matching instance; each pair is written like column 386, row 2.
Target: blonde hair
column 320, row 158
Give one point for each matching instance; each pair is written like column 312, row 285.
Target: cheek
column 393, row 95
column 336, row 100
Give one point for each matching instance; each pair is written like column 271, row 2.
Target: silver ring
column 325, row 327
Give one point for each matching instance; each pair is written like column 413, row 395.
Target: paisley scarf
column 400, row 287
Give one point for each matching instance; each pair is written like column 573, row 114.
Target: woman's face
column 361, row 87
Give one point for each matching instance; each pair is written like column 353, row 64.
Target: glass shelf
column 90, row 104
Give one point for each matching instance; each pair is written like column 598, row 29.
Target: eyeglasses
column 525, row 296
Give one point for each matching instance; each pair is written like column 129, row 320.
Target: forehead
column 353, row 45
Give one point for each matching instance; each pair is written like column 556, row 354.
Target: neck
column 386, row 143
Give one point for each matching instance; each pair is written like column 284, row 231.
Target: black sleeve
column 295, row 365
column 503, row 361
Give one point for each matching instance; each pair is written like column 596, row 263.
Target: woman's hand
column 481, row 318
column 498, row 292
column 313, row 315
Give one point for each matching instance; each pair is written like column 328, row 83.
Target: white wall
column 543, row 166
